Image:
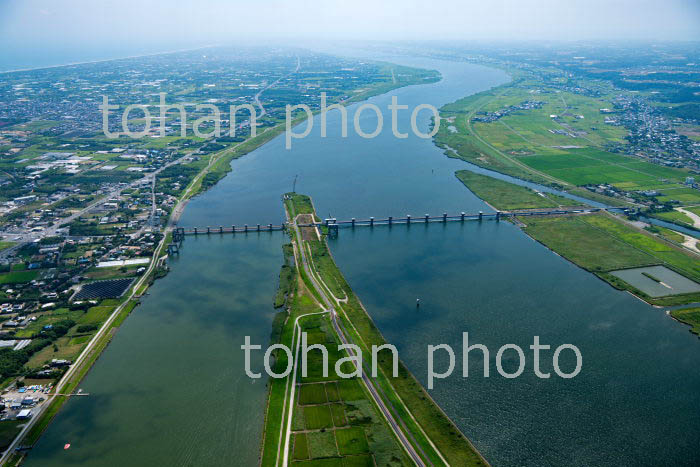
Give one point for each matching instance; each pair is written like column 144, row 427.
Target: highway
column 257, row 96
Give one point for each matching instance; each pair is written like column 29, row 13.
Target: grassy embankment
column 668, row 234
column 601, row 243
column 432, row 430
column 689, row 316
column 677, row 217
column 506, row 196
column 333, row 421
column 286, row 281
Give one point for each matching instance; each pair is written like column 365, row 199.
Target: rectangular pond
column 657, row 281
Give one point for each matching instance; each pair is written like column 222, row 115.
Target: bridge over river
column 333, row 224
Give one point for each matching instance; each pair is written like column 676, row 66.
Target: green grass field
column 684, row 262
column 338, row 414
column 600, row 243
column 317, row 417
column 322, row 444
column 507, row 196
column 302, row 203
column 18, row 277
column 584, row 244
column 312, row 394
column 301, row 447
column 674, row 216
column 560, row 144
column 592, row 166
column 668, row 234
column 332, row 392
column 351, row 441
column 689, row 316
column 349, row 390
column 686, row 196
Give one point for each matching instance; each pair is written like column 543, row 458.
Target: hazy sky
column 72, row 23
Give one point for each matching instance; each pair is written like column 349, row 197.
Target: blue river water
column 170, row 388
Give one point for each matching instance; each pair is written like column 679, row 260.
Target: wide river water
column 170, row 389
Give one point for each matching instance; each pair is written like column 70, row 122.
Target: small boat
column 66, row 446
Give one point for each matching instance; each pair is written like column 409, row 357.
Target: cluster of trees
column 12, row 361
column 57, row 329
column 685, row 111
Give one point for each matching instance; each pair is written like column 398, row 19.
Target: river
column 170, row 388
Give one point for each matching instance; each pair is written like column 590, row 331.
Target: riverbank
column 436, row 438
column 506, row 196
column 600, row 243
column 689, row 316
column 69, row 382
column 316, row 416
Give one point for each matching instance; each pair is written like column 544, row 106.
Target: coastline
column 87, row 62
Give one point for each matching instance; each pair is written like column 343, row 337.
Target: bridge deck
column 181, row 231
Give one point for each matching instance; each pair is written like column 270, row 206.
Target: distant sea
column 20, row 57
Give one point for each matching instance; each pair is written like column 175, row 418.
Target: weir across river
column 333, row 224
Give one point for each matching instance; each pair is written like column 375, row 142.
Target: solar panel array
column 112, row 288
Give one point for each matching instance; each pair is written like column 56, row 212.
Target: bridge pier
column 333, row 230
column 178, row 235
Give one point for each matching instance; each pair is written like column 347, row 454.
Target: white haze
column 92, row 23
